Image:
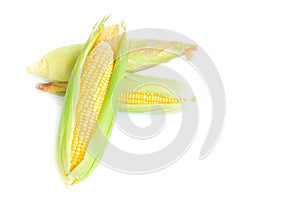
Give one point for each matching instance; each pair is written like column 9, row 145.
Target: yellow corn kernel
column 146, row 98
column 95, row 78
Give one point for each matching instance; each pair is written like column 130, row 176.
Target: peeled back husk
column 162, row 86
column 105, row 120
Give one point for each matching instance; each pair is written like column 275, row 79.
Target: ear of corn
column 151, row 94
column 90, row 105
column 140, row 93
column 143, row 54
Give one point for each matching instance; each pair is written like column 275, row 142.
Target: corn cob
column 95, row 77
column 125, row 97
column 152, row 94
column 87, row 116
column 141, row 94
column 58, row 64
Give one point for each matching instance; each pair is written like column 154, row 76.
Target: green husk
column 58, row 64
column 106, row 118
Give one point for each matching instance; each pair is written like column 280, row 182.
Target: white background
column 255, row 46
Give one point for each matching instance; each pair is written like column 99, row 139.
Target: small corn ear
column 143, row 54
column 81, row 143
column 154, row 95
column 140, row 93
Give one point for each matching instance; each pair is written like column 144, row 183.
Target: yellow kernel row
column 146, row 98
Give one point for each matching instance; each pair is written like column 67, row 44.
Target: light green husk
column 147, row 53
column 58, row 64
column 106, row 118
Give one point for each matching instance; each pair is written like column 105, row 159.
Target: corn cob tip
column 30, row 69
column 69, row 182
column 40, row 68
